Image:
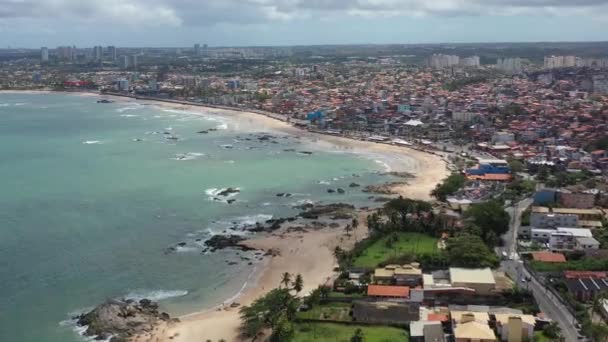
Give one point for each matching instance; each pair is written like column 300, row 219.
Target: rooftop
column 471, row 275
column 549, row 257
column 388, row 291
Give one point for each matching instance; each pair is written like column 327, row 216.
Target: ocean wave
column 214, row 194
column 324, row 182
column 129, row 115
column 155, row 295
column 81, row 330
column 128, row 108
column 188, row 156
column 5, row 104
column 387, row 168
column 91, row 142
column 222, row 126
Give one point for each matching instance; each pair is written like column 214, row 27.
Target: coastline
column 307, row 253
column 296, row 256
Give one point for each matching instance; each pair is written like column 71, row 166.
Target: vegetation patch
column 331, row 332
column 394, row 245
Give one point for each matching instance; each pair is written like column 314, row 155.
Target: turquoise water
column 86, row 212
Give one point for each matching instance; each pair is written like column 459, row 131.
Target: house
column 427, row 331
column 548, row 257
column 409, row 275
column 585, row 285
column 383, row 292
column 473, row 331
column 480, row 280
column 540, row 218
column 386, row 312
column 515, row 328
column 578, row 200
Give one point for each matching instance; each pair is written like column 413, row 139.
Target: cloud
column 159, row 13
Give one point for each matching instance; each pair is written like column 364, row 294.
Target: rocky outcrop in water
column 399, row 174
column 228, row 191
column 335, row 211
column 226, row 241
column 122, row 319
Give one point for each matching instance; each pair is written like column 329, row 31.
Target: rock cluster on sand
column 122, row 319
column 384, row 189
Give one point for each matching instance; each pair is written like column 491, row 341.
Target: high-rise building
column 439, row 61
column 124, row 62
column 97, row 53
column 472, row 61
column 65, row 53
column 510, row 65
column 111, row 53
column 133, row 61
column 44, row 54
column 197, row 49
column 205, row 51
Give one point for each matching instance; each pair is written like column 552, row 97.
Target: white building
column 44, row 54
column 440, row 61
column 464, row 116
column 510, row 65
column 123, row 85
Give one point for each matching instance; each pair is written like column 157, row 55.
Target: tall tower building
column 97, row 53
column 112, row 53
column 44, row 54
column 197, row 49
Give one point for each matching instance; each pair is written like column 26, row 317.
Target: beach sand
column 307, row 253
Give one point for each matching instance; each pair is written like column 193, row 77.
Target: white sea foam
column 155, row 295
column 188, row 156
column 91, row 142
column 5, row 104
column 129, row 115
column 387, row 168
column 187, row 249
column 324, row 182
column 213, row 194
column 222, row 126
column 133, row 106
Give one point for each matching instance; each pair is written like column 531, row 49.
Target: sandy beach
column 307, row 253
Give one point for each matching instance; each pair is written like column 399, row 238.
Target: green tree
column 298, row 284
column 348, row 228
column 516, row 166
column 552, row 330
column 286, row 279
column 358, row 336
column 470, row 251
column 491, row 217
column 449, row 186
column 271, row 311
column 283, row 330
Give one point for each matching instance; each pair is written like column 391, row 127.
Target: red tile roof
column 388, row 291
column 548, row 257
column 585, row 274
column 437, row 317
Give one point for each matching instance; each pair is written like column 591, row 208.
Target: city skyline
column 163, row 23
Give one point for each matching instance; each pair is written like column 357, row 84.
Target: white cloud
column 160, row 13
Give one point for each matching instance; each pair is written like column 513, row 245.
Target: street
column 548, row 304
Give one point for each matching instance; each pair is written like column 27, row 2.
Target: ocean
column 94, row 194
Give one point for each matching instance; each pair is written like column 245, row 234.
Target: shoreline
column 222, row 321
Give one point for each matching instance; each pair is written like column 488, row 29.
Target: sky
column 181, row 23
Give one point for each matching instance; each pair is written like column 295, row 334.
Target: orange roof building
column 388, row 291
column 549, row 257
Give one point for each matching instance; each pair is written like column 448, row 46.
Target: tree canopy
column 273, row 311
column 470, row 251
column 449, row 186
column 491, row 218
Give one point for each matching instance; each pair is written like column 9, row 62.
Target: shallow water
column 93, row 194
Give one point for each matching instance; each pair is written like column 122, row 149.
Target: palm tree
column 298, row 284
column 355, row 225
column 358, row 336
column 286, row 279
column 348, row 229
column 338, row 253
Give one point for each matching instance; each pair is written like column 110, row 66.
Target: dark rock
column 181, row 244
column 384, row 189
column 341, row 191
column 305, row 152
column 121, row 319
column 332, row 210
column 226, row 241
column 228, row 192
column 202, row 132
column 230, row 201
column 354, row 185
column 331, row 191
column 334, row 225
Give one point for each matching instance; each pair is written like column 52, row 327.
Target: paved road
column 547, row 302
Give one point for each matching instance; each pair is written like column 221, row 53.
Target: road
column 547, row 302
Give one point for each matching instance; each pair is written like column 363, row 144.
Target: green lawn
column 330, row 332
column 329, row 311
column 539, row 336
column 413, row 243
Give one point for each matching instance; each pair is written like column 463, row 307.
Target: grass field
column 413, row 243
column 329, row 311
column 539, row 336
column 330, row 332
